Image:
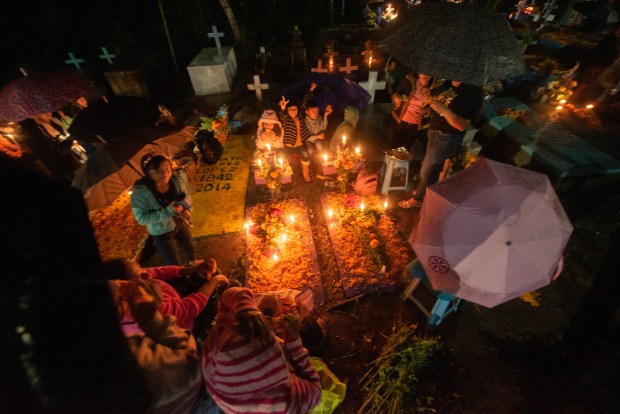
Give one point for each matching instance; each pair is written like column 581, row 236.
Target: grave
column 545, row 146
column 213, row 70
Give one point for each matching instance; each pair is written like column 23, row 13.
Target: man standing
column 453, row 106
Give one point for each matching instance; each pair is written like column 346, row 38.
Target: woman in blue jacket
column 160, row 202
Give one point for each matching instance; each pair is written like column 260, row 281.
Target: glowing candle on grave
column 385, row 204
column 325, row 158
column 562, row 101
column 370, row 60
column 357, row 150
column 330, row 213
column 281, row 163
column 559, row 108
column 362, row 207
column 260, row 164
column 268, row 148
column 331, row 63
column 284, row 238
column 589, row 106
column 246, row 226
column 344, row 140
column 291, row 219
column 275, row 257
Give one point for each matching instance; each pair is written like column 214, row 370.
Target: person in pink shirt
column 186, row 308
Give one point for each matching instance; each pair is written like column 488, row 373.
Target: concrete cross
column 216, row 36
column 348, row 68
column 320, row 68
column 372, row 85
column 74, row 61
column 258, row 87
column 106, row 55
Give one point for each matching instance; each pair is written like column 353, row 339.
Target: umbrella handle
column 559, row 269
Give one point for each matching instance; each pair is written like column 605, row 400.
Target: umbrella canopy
column 460, row 42
column 491, row 233
column 40, row 93
column 116, row 117
column 111, row 171
column 332, row 89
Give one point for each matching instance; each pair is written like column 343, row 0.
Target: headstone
column 258, row 87
column 348, row 68
column 74, row 61
column 372, row 85
column 213, row 72
column 127, row 83
column 320, row 68
column 106, row 55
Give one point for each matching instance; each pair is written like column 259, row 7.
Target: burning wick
column 291, row 218
column 562, row 101
column 260, row 164
column 268, row 148
column 275, row 257
column 330, row 213
column 281, row 163
column 331, row 62
column 589, row 106
column 385, row 204
column 344, row 140
column 370, row 61
column 357, row 150
column 325, row 158
column 362, row 207
column 247, row 225
column 559, row 108
column 284, row 237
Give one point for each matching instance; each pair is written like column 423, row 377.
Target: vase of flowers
column 347, row 161
column 217, row 124
column 271, row 172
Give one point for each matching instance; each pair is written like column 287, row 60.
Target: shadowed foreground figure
column 62, row 347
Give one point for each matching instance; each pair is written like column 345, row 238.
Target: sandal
column 410, row 203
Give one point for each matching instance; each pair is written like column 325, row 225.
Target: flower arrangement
column 116, row 230
column 346, row 161
column 217, row 124
column 558, row 90
column 280, row 247
column 517, row 115
column 270, row 170
column 370, row 254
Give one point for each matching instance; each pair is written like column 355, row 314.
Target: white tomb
column 213, row 70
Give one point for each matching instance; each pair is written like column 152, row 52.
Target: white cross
column 215, row 35
column 348, row 68
column 372, row 85
column 258, row 87
column 106, row 55
column 74, row 61
column 320, row 68
column 389, row 9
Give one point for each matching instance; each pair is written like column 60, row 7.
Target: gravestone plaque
column 212, row 71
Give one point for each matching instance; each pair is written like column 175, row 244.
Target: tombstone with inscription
column 214, row 68
column 123, row 82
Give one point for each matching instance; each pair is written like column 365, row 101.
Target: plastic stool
column 389, row 165
column 445, row 303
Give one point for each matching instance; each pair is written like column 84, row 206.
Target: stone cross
column 320, row 68
column 372, row 85
column 258, row 87
column 348, row 68
column 216, row 36
column 74, row 61
column 389, row 9
column 106, row 55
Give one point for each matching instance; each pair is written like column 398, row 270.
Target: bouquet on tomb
column 346, row 161
column 269, row 170
column 218, row 124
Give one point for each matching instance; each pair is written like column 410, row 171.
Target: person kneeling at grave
column 244, row 366
column 197, row 284
column 166, row 353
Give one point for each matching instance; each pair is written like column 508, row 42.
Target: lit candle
column 330, row 213
column 559, row 108
column 325, row 158
column 331, row 63
column 268, row 148
column 385, row 204
column 589, row 106
column 344, row 140
column 281, row 163
column 357, row 150
column 260, row 164
column 370, row 61
column 291, row 218
column 284, row 237
column 275, row 257
column 246, row 226
column 562, row 101
column 362, row 207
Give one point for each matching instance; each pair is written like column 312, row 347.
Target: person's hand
column 320, row 136
column 313, row 86
column 178, row 208
column 396, row 99
column 283, row 103
column 287, row 327
column 143, row 297
column 218, row 280
column 438, row 107
column 186, row 214
column 328, row 110
column 208, row 266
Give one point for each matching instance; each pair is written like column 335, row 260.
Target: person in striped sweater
column 246, row 368
column 296, row 133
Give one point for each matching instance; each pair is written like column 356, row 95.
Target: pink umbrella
column 491, row 233
column 40, row 93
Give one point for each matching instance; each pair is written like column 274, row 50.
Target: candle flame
column 362, row 206
column 281, row 163
column 325, row 158
column 284, row 237
column 559, row 108
column 344, row 139
column 589, row 106
column 291, row 218
column 275, row 257
column 357, row 150
column 268, row 147
column 385, row 204
column 260, row 163
column 562, row 101
column 330, row 213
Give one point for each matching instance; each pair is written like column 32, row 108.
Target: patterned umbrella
column 39, row 93
column 459, row 42
column 332, row 89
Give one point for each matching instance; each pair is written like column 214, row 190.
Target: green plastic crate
column 333, row 391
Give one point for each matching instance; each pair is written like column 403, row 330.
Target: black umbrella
column 112, row 119
column 332, row 89
column 459, row 42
